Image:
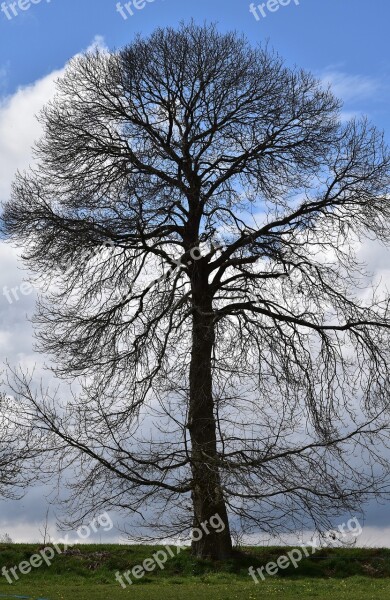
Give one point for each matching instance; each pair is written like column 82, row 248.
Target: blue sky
column 348, row 37
column 344, row 42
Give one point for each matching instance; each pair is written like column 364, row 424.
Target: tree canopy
column 196, row 211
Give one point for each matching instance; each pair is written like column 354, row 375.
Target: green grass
column 355, row 588
column 88, row 573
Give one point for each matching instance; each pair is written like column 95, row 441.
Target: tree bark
column 207, row 494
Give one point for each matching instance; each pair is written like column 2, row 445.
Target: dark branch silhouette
column 195, row 213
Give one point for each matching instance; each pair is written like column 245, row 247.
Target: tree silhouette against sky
column 252, row 380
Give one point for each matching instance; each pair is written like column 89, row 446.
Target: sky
column 343, row 42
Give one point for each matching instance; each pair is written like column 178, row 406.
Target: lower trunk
column 211, row 526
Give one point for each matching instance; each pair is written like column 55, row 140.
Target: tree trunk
column 207, row 493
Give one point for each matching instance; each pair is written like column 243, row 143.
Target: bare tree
column 45, row 529
column 5, row 538
column 8, row 470
column 20, row 453
column 246, row 376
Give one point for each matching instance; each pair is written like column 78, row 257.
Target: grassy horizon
column 87, row 572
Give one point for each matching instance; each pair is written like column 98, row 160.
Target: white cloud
column 98, row 43
column 350, row 87
column 19, row 129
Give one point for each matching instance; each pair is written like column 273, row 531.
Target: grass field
column 355, row 588
column 88, row 573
